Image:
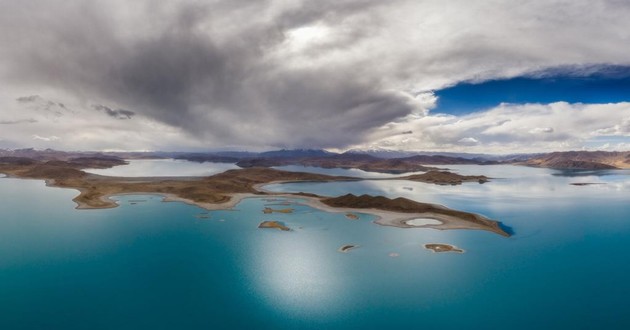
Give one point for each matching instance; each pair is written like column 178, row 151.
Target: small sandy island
column 352, row 216
column 346, row 248
column 438, row 248
column 274, row 225
column 269, row 210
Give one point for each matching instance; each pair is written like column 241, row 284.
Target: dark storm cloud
column 28, row 99
column 118, row 114
column 215, row 82
column 42, row 104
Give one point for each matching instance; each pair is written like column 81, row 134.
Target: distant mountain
column 332, row 160
column 209, row 156
column 446, row 160
column 366, row 160
column 203, row 157
column 381, row 153
column 295, row 153
column 387, row 153
column 582, row 160
column 50, row 154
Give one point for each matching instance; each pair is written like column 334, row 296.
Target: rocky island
column 274, row 225
column 346, row 248
column 445, row 178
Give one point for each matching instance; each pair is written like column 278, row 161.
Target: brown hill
column 404, row 205
column 582, row 160
column 446, row 178
column 16, row 160
column 400, row 204
column 96, row 162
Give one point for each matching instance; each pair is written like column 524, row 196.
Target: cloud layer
column 508, row 128
column 274, row 73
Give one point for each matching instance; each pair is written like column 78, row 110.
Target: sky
column 490, row 76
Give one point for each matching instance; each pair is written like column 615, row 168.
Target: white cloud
column 623, row 129
column 45, row 138
column 468, row 141
column 510, row 128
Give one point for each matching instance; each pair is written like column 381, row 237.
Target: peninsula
column 224, row 190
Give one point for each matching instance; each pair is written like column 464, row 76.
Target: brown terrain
column 446, row 178
column 274, row 225
column 222, row 190
column 404, row 205
column 215, row 189
column 361, row 161
column 582, row 160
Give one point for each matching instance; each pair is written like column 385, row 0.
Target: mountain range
column 369, row 160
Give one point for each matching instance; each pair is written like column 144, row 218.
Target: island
column 581, row 160
column 274, row 225
column 269, row 210
column 401, row 212
column 224, row 190
column 446, row 178
column 439, row 248
column 346, row 248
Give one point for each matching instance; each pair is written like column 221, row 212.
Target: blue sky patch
column 593, row 84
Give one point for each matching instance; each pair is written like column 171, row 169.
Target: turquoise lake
column 156, row 265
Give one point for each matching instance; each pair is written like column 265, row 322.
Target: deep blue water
column 156, row 265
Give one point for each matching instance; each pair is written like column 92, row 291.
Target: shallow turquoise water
column 157, row 265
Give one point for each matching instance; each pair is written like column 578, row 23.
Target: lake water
column 149, row 264
column 340, row 171
column 164, row 167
